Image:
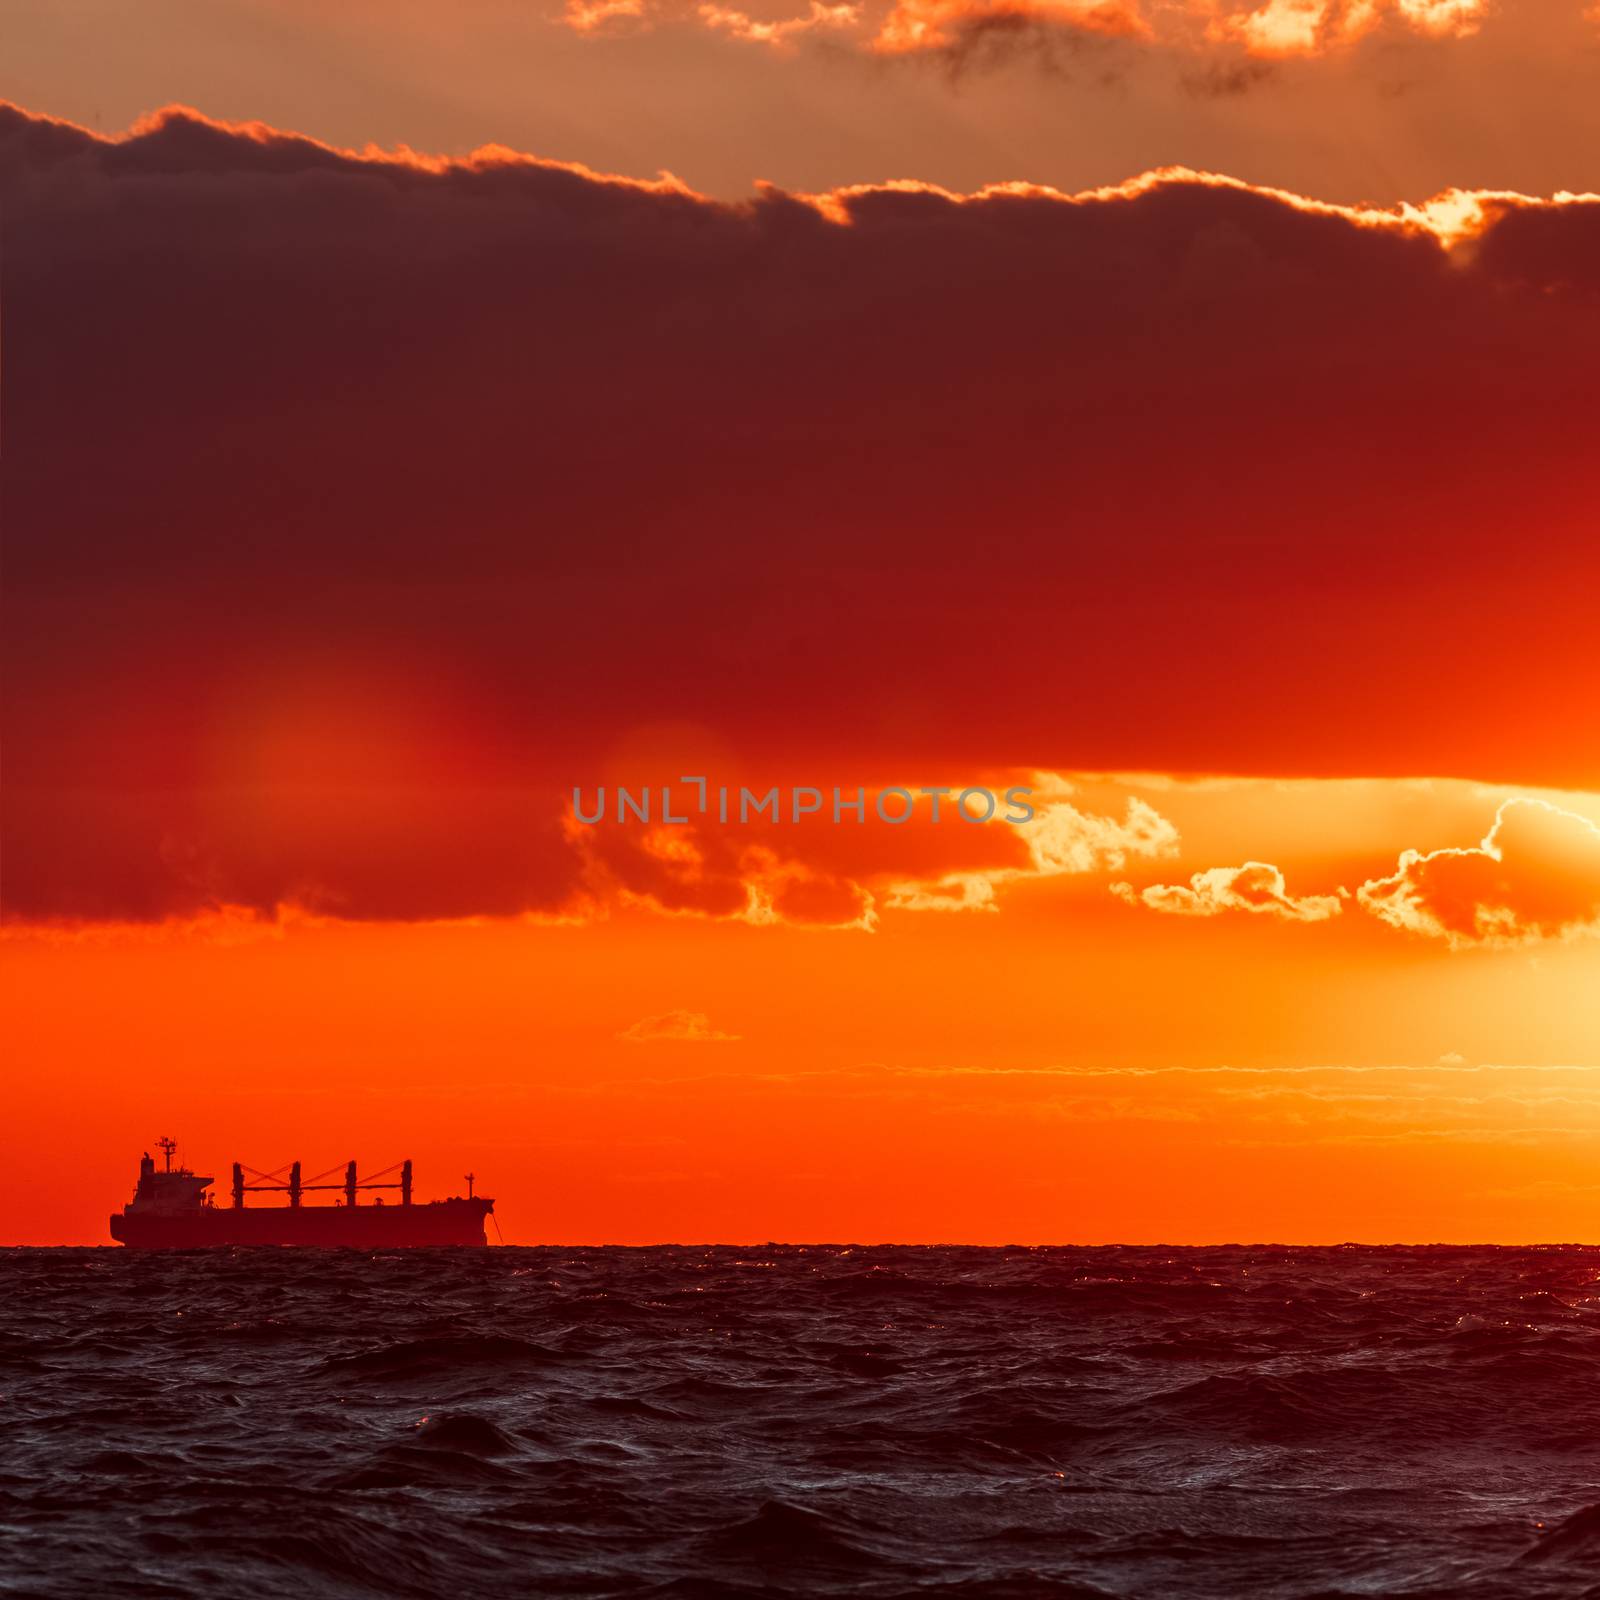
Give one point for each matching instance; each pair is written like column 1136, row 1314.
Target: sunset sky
column 1186, row 412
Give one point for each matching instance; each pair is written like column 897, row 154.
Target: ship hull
column 444, row 1222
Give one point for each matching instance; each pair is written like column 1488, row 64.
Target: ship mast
column 166, row 1146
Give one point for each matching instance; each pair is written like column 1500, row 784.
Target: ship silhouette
column 171, row 1210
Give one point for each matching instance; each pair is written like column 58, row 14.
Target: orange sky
column 361, row 505
column 1068, row 1066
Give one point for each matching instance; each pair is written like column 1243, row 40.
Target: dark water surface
column 784, row 1421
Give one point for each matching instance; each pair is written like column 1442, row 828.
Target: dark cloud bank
column 353, row 508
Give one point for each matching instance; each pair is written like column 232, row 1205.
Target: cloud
column 592, row 16
column 1321, row 1068
column 923, row 25
column 782, row 31
column 359, row 505
column 1061, row 840
column 1315, row 27
column 1534, row 876
column 733, row 874
column 1065, row 839
column 833, row 875
column 1196, row 30
column 676, row 1027
column 1256, row 887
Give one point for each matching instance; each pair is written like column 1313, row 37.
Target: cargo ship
column 171, row 1210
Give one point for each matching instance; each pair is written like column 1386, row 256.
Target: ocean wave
column 1294, row 1424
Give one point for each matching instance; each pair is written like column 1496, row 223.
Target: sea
column 990, row 1424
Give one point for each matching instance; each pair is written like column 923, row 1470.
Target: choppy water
column 785, row 1421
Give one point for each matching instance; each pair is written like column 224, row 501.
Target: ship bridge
column 173, row 1189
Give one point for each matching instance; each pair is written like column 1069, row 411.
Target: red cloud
column 1536, row 875
column 731, row 875
column 359, row 506
column 842, row 876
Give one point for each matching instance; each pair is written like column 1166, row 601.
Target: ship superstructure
column 172, row 1209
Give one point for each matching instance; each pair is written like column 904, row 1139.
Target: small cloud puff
column 676, row 1027
column 1256, row 886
